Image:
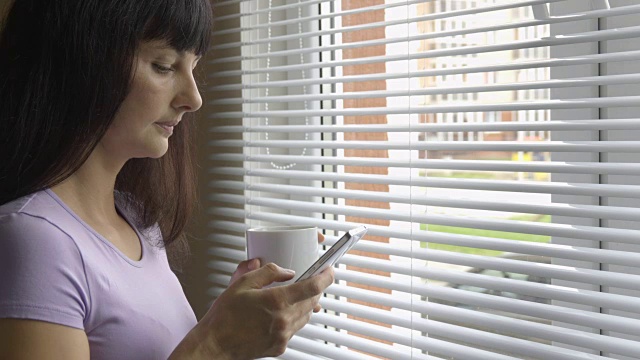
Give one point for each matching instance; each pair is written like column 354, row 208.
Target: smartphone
column 333, row 255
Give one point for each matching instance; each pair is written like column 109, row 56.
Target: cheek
column 144, row 105
column 124, row 122
column 146, row 102
column 139, row 110
column 128, row 123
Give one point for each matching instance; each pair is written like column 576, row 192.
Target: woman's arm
column 41, row 270
column 245, row 322
column 249, row 322
column 29, row 339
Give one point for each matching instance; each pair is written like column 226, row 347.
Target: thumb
column 267, row 275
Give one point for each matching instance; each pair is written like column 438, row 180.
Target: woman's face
column 163, row 89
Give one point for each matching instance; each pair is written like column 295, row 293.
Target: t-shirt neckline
column 125, row 216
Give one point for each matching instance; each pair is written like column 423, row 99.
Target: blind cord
column 304, row 87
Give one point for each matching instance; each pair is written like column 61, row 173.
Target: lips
column 167, row 126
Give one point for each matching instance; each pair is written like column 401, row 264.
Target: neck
column 89, row 191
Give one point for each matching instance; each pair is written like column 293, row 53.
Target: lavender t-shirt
column 55, row 268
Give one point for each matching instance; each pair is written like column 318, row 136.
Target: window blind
column 491, row 146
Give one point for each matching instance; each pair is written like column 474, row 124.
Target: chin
column 159, row 154
column 157, row 151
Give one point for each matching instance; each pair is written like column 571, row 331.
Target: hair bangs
column 184, row 24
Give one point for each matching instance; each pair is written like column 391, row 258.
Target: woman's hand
column 248, row 322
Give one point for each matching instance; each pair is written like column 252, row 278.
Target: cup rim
column 281, row 228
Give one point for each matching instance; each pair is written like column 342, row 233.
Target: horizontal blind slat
column 274, row 8
column 551, row 125
column 601, row 35
column 230, row 212
column 610, row 257
column 592, row 341
column 543, row 311
column 320, row 348
column 550, row 312
column 591, row 36
column 550, row 271
column 462, row 70
column 295, row 6
column 527, row 227
column 539, row 146
column 424, row 236
column 372, row 331
column 226, row 225
column 594, row 14
column 436, row 16
column 478, row 165
column 448, row 33
column 436, row 346
column 518, row 326
column 575, row 210
column 481, row 338
column 370, row 347
column 443, row 90
column 584, row 103
column 219, row 4
column 293, row 354
column 561, row 188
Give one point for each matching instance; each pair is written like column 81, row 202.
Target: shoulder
column 29, row 227
column 39, row 205
column 22, row 229
column 19, row 204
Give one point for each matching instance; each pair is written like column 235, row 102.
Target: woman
column 96, row 185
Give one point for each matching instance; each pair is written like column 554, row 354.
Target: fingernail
column 290, row 271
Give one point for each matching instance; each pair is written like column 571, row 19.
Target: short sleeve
column 42, row 274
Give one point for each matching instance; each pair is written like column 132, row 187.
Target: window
column 491, row 145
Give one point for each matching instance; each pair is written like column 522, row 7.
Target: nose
column 188, row 97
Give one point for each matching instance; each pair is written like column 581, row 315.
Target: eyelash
column 162, row 69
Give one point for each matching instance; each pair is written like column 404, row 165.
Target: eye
column 162, row 69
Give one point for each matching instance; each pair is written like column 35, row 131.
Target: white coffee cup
column 290, row 247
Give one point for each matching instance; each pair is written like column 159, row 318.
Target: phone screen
column 333, row 255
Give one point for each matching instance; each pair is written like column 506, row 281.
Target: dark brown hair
column 65, row 69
